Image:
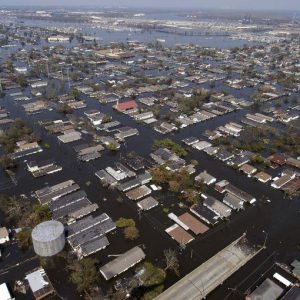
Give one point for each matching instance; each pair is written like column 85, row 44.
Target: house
column 224, row 155
column 58, row 39
column 238, row 160
column 4, row 235
column 245, row 197
column 5, row 293
column 293, row 162
column 190, row 141
column 122, row 263
column 180, row 235
column 248, row 169
column 201, row 145
column 278, row 183
column 233, row 202
column 221, row 186
column 216, row 206
column 147, row 203
column 126, row 106
column 205, row 214
column 40, row 284
column 263, row 177
column 277, row 159
column 205, row 178
column 144, row 116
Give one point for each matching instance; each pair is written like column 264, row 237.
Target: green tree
column 84, row 274
column 24, row 239
column 131, row 233
column 123, row 223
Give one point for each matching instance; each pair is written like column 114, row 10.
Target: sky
column 218, row 4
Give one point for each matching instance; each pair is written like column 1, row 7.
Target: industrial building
column 48, row 238
column 88, row 235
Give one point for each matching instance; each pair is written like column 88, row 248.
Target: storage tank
column 48, row 238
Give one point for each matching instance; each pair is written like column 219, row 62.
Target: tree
column 172, row 146
column 172, row 262
column 76, row 94
column 66, row 109
column 112, row 147
column 84, row 274
column 152, row 275
column 123, row 223
column 131, row 233
column 24, row 238
column 6, row 162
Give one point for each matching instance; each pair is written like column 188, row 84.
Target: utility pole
column 68, row 74
column 48, row 70
column 266, row 238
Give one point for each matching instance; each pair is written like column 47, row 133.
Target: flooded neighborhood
column 149, row 154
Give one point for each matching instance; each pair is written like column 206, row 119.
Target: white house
column 4, row 236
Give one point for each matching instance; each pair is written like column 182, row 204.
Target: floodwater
column 278, row 218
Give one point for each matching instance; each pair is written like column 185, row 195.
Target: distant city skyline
column 205, row 4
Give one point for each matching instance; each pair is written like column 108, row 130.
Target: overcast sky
column 227, row 4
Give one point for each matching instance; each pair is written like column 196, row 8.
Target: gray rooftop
column 122, row 263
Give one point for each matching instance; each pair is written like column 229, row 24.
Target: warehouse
column 56, row 192
column 74, row 207
column 122, row 263
column 67, row 200
column 85, row 224
column 87, row 236
column 83, row 212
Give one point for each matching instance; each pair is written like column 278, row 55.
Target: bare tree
column 172, row 262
